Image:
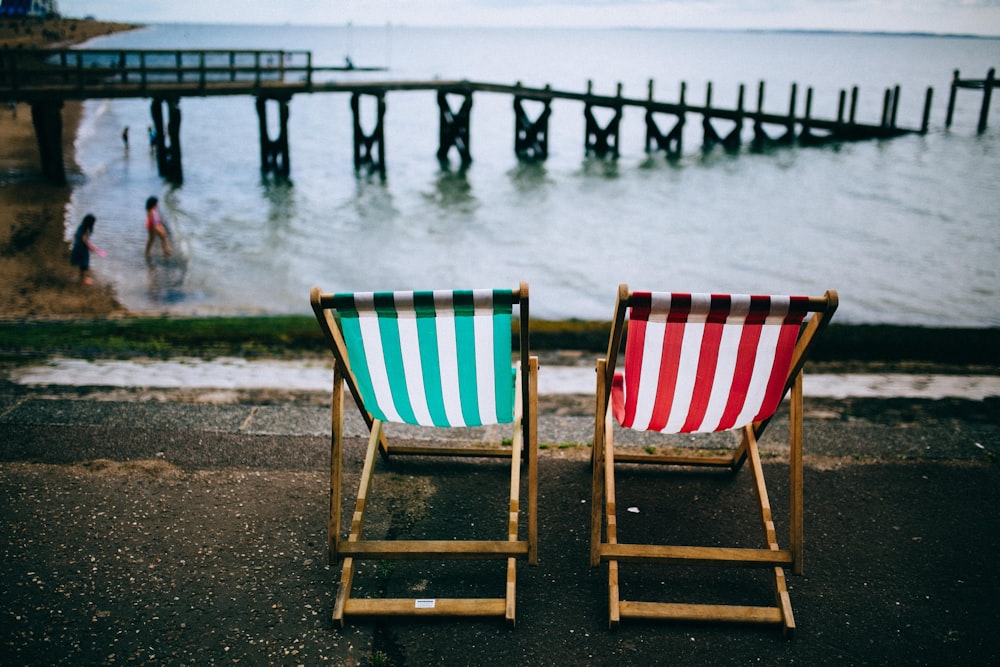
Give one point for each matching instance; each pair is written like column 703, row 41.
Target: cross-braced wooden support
column 455, row 126
column 47, row 119
column 761, row 139
column 168, row 143
column 274, row 153
column 369, row 149
column 531, row 137
column 711, row 137
column 672, row 142
column 602, row 141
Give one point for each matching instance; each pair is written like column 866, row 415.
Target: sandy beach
column 36, row 278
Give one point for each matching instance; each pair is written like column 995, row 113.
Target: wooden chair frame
column 605, row 545
column 524, row 451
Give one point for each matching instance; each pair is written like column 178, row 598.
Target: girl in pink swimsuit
column 154, row 227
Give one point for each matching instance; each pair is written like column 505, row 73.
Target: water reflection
column 600, row 167
column 166, row 276
column 372, row 202
column 453, row 191
column 529, row 177
column 280, row 196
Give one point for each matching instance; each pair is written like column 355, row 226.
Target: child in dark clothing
column 82, row 245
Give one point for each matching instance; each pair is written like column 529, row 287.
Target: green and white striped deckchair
column 436, row 359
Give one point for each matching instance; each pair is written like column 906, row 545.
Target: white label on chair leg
column 425, row 604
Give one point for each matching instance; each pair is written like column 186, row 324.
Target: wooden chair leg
column 795, row 502
column 511, row 591
column 597, row 471
column 782, row 599
column 784, row 602
column 614, row 606
column 532, row 445
column 336, row 466
column 357, row 522
column 343, row 590
column 614, row 602
column 513, row 507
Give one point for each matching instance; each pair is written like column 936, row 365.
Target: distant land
column 118, row 27
column 37, row 33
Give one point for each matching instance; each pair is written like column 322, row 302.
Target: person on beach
column 79, row 256
column 125, row 137
column 155, row 227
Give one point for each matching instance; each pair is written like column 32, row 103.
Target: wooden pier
column 47, row 78
column 986, row 85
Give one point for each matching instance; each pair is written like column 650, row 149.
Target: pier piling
column 672, row 142
column 984, row 111
column 709, row 136
column 168, row 142
column 806, row 136
column 602, row 141
column 895, row 107
column 531, row 137
column 789, row 136
column 274, row 153
column 47, row 119
column 369, row 148
column 760, row 138
column 886, row 105
column 987, row 85
column 454, row 126
column 927, row 110
column 733, row 141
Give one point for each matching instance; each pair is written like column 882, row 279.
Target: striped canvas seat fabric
column 432, row 358
column 705, row 362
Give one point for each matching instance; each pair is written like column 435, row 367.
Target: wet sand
column 36, row 278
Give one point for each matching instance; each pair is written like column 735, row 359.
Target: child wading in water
column 155, row 227
column 80, row 255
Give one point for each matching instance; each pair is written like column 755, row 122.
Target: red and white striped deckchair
column 701, row 363
column 437, row 359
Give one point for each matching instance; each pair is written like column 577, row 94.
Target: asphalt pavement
column 179, row 525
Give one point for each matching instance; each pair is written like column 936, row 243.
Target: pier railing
column 87, row 73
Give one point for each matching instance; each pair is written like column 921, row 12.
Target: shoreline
column 844, row 348
column 36, row 278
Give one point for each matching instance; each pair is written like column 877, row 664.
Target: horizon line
column 389, row 24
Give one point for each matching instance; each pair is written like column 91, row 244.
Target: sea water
column 905, row 229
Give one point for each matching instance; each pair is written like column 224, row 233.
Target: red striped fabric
column 705, row 362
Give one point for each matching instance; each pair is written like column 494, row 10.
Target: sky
column 975, row 17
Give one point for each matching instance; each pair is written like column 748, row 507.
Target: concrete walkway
column 234, row 373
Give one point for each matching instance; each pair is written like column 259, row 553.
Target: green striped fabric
column 434, row 358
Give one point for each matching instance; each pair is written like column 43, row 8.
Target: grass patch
column 902, row 347
column 164, row 337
